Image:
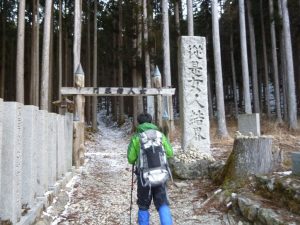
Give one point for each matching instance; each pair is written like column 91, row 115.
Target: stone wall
column 35, row 152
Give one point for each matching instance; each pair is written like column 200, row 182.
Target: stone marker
column 194, row 115
column 52, row 146
column 11, row 162
column 42, row 154
column 29, row 162
column 249, row 123
column 69, row 139
column 296, row 163
column 1, row 123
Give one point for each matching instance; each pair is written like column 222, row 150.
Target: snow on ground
column 100, row 191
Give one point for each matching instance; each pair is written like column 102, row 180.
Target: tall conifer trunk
column 20, row 52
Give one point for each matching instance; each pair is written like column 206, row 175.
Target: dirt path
column 100, row 192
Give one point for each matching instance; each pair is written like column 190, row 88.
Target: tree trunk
column 275, row 62
column 3, row 52
column 77, row 35
column 292, row 105
column 121, row 118
column 177, row 18
column 245, row 69
column 250, row 155
column 150, row 99
column 190, row 18
column 50, row 92
column 233, row 76
column 20, row 53
column 265, row 60
column 134, row 79
column 60, row 50
column 283, row 67
column 253, row 58
column 95, row 47
column 222, row 129
column 89, row 82
column 140, row 104
column 114, row 100
column 46, row 57
column 166, row 57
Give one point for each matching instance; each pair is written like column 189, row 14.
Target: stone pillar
column 249, row 124
column 193, row 94
column 11, row 162
column 60, row 146
column 69, row 139
column 29, row 162
column 52, row 146
column 42, row 153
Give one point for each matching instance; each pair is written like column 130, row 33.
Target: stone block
column 42, row 153
column 52, row 146
column 29, row 162
column 69, row 139
column 249, row 124
column 11, row 162
column 193, row 94
column 296, row 163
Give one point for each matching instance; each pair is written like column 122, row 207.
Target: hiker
column 151, row 182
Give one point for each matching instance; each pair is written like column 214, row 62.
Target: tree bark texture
column 265, row 60
column 292, row 105
column 20, row 52
column 167, row 60
column 190, row 18
column 89, row 78
column 250, row 155
column 95, row 47
column 275, row 62
column 253, row 58
column 244, row 55
column 233, row 76
column 46, row 57
column 77, row 35
column 3, row 53
column 121, row 118
column 60, row 50
column 222, row 129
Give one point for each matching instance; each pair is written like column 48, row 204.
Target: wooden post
column 156, row 82
column 78, row 145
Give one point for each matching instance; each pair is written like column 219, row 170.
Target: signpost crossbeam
column 116, row 91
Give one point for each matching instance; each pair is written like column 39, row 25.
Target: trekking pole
column 132, row 171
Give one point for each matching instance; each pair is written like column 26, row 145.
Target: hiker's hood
column 146, row 126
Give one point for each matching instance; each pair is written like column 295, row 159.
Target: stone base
column 190, row 165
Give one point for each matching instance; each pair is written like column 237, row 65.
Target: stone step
column 260, row 211
column 282, row 188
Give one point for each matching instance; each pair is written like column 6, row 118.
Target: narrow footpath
column 100, row 191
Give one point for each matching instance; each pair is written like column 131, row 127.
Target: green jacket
column 134, row 146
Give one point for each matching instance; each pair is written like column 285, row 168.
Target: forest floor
column 100, row 191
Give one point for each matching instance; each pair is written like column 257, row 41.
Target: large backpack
column 152, row 163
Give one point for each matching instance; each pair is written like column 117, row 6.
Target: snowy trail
column 100, row 192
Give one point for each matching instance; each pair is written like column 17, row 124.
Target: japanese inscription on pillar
column 193, row 94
